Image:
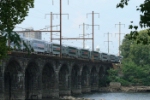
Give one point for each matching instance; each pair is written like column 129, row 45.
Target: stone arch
column 48, row 80
column 64, row 82
column 13, row 80
column 75, row 76
column 93, row 76
column 32, row 80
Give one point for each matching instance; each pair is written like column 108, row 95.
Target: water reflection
column 113, row 96
column 117, row 96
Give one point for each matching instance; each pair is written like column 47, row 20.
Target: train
column 51, row 48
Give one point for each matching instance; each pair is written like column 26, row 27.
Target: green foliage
column 135, row 62
column 103, row 81
column 136, row 57
column 3, row 48
column 113, row 75
column 12, row 12
column 144, row 8
column 124, row 82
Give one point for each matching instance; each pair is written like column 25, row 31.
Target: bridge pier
column 76, row 91
column 85, row 80
column 86, row 89
column 1, row 81
column 94, row 88
column 94, row 79
column 54, row 92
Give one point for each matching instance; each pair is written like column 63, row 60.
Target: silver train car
column 38, row 46
column 112, row 58
column 104, row 57
column 84, row 53
column 72, row 51
column 51, row 48
column 94, row 55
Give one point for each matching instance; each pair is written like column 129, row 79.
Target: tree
column 136, row 57
column 12, row 12
column 144, row 8
column 135, row 62
column 139, row 53
column 3, row 48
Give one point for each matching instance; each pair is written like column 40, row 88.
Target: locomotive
column 50, row 48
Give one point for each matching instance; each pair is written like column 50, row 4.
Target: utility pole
column 93, row 28
column 51, row 22
column 119, row 34
column 60, row 27
column 83, row 34
column 108, row 40
column 51, row 25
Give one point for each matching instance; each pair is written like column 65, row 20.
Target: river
column 117, row 96
column 114, row 96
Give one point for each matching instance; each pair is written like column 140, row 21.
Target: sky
column 107, row 16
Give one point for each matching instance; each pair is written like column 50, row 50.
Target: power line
column 93, row 28
column 119, row 34
column 108, row 40
column 83, row 34
column 72, row 38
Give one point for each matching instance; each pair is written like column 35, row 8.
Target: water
column 114, row 96
column 117, row 96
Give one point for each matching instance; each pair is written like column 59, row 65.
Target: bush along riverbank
column 116, row 87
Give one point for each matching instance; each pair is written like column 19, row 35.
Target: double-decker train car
column 38, row 46
column 72, row 51
column 94, row 55
column 84, row 53
column 112, row 58
column 117, row 60
column 54, row 48
column 104, row 57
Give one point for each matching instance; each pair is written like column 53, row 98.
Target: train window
column 56, row 49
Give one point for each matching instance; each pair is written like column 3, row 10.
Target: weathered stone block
column 116, row 85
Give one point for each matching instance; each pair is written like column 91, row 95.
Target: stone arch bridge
column 28, row 76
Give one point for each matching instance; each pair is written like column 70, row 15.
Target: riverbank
column 125, row 89
column 73, row 98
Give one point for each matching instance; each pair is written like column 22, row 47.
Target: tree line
column 135, row 64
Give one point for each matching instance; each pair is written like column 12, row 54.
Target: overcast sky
column 80, row 12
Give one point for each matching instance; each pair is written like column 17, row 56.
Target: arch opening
column 102, row 76
column 94, row 77
column 63, row 77
column 31, row 80
column 75, row 77
column 48, row 80
column 13, row 80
